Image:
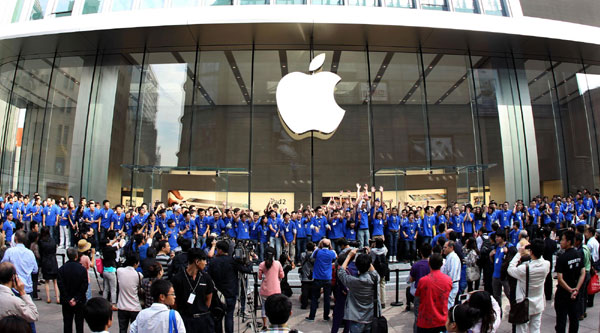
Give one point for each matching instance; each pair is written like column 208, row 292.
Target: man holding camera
column 224, row 270
column 324, row 257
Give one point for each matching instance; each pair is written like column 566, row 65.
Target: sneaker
column 309, row 319
column 326, row 318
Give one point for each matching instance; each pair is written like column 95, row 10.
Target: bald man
column 324, row 257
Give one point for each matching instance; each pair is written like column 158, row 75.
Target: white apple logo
column 306, row 102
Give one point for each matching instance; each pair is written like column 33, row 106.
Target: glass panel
column 399, row 124
column 494, row 7
column 147, row 4
column 281, row 166
column 327, row 2
column 64, row 8
column 465, row 6
column 254, row 2
column 219, row 2
column 28, row 102
column 18, row 10
column 451, row 122
column 290, row 2
column 582, row 167
column 92, row 6
column 434, row 4
column 365, row 3
column 65, row 120
column 184, row 3
column 400, row 3
column 589, row 85
column 38, row 9
column 547, row 126
column 10, row 145
column 121, row 5
column 350, row 142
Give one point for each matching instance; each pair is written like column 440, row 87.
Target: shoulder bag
column 379, row 323
column 519, row 312
column 172, row 322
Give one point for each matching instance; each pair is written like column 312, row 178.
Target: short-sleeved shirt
column 419, row 270
column 323, row 260
column 433, row 292
column 569, row 264
column 183, row 284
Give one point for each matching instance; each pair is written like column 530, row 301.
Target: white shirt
column 538, row 269
column 155, row 319
column 452, row 267
column 593, row 245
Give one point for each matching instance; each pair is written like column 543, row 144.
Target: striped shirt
column 164, row 261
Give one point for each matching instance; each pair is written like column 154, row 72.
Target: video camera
column 243, row 251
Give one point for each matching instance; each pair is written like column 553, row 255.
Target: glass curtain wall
column 202, row 126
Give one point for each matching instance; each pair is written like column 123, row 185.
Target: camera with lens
column 354, row 243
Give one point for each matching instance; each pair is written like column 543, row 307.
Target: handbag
column 379, row 323
column 99, row 266
column 141, row 293
column 594, row 285
column 519, row 312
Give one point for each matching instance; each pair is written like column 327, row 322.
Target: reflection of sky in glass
column 587, row 82
column 120, row 5
column 152, row 4
column 184, row 3
column 169, row 109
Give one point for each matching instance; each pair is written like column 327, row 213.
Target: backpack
column 486, row 249
column 381, row 266
column 306, row 271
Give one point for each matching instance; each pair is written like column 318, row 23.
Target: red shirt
column 433, row 291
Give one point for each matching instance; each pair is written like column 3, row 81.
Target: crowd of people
column 185, row 268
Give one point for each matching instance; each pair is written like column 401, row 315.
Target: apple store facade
column 443, row 101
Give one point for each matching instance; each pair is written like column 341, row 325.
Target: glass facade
column 203, row 126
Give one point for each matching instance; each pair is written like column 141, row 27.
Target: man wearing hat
column 73, row 285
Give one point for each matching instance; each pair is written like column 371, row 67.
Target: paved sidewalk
column 399, row 321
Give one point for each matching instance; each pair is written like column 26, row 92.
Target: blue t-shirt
column 254, row 230
column 535, row 213
column 51, row 212
column 25, row 209
column 518, row 217
column 263, row 231
column 300, row 229
column 172, row 234
column 457, row 222
column 498, row 259
column 349, row 233
column 8, row 228
column 189, row 234
column 504, row 216
column 106, row 217
column 337, row 229
column 64, row 217
column 469, row 223
column 322, row 267
column 362, row 218
column 410, row 229
column 318, row 228
column 441, row 219
column 118, row 220
column 273, row 223
column 393, row 222
column 377, row 227
column 201, row 225
column 513, row 237
column 241, row 230
column 478, row 223
column 230, row 227
column 139, row 219
column 92, row 217
column 427, row 225
column 288, row 230
column 37, row 213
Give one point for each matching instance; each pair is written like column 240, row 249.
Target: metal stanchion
column 397, row 302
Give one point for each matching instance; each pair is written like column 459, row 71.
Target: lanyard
column 193, row 291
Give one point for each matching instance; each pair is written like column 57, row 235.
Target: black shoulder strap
column 527, row 281
column 375, row 297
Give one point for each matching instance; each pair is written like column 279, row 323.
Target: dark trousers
column 548, row 285
column 69, row 312
column 300, row 248
column 305, row 293
column 202, row 324
column 314, row 297
column 125, row 318
column 473, row 285
column 34, row 280
column 565, row 307
column 230, row 301
column 583, row 296
column 338, row 310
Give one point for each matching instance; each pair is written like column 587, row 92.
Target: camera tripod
column 250, row 303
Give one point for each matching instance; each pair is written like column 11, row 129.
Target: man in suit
column 73, row 285
column 549, row 250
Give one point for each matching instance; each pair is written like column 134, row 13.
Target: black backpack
column 381, row 266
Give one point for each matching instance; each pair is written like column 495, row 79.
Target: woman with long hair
column 47, row 248
column 489, row 318
column 270, row 272
column 471, row 259
column 461, row 318
column 32, row 238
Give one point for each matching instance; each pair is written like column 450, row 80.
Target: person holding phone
column 21, row 306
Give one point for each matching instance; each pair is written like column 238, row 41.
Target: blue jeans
column 410, row 249
column 356, row 327
column 200, row 242
column 393, row 236
column 263, row 248
column 230, row 301
column 363, row 237
column 276, row 243
column 314, row 297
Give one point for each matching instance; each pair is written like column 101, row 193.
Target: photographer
column 224, row 270
column 324, row 257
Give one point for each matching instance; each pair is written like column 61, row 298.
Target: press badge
column 191, row 298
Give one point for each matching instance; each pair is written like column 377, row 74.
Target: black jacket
column 72, row 282
column 549, row 250
column 224, row 272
